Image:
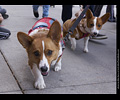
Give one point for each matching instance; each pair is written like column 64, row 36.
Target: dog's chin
column 44, row 73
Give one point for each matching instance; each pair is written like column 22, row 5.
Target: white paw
column 57, row 68
column 85, row 50
column 39, row 84
column 73, row 47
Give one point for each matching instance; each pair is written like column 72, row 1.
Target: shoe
column 112, row 20
column 5, row 16
column 36, row 14
column 99, row 37
column 4, row 35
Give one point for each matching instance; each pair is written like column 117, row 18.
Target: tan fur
column 100, row 21
column 33, row 43
column 88, row 20
column 77, row 30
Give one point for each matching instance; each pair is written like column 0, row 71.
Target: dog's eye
column 99, row 25
column 49, row 52
column 91, row 25
column 36, row 53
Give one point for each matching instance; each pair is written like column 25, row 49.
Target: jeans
column 45, row 9
column 110, row 9
column 2, row 11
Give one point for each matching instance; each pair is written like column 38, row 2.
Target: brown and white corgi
column 43, row 48
column 89, row 25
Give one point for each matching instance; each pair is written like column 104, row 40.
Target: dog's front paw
column 73, row 47
column 85, row 50
column 57, row 68
column 39, row 84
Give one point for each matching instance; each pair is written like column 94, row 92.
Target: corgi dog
column 90, row 25
column 43, row 48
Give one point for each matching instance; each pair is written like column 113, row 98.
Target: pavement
column 82, row 73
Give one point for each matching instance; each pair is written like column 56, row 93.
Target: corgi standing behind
column 89, row 25
column 44, row 49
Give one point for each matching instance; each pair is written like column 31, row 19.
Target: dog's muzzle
column 95, row 33
column 44, row 70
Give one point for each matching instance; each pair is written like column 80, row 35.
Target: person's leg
column 97, row 10
column 110, row 9
column 45, row 10
column 3, row 12
column 66, row 12
column 4, row 33
column 4, row 30
column 35, row 10
column 91, row 8
column 35, row 7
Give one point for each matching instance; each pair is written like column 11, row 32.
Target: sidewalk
column 82, row 73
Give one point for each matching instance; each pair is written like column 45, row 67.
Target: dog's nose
column 44, row 68
column 95, row 33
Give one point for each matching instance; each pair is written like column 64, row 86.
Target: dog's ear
column 55, row 32
column 89, row 14
column 105, row 18
column 24, row 39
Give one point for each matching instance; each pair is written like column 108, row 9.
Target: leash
column 70, row 31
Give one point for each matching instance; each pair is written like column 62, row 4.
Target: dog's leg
column 73, row 43
column 58, row 65
column 39, row 81
column 86, row 39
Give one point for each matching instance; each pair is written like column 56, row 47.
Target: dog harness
column 81, row 27
column 45, row 23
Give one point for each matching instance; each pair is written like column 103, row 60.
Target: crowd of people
column 66, row 14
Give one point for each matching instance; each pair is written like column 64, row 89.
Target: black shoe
column 112, row 20
column 5, row 16
column 36, row 14
column 99, row 37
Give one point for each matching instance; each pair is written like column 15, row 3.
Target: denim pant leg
column 45, row 10
column 110, row 9
column 2, row 11
column 35, row 7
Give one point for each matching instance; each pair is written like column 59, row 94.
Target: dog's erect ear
column 24, row 39
column 55, row 32
column 105, row 18
column 89, row 14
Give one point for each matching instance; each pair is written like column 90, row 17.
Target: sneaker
column 99, row 37
column 5, row 16
column 36, row 14
column 4, row 35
